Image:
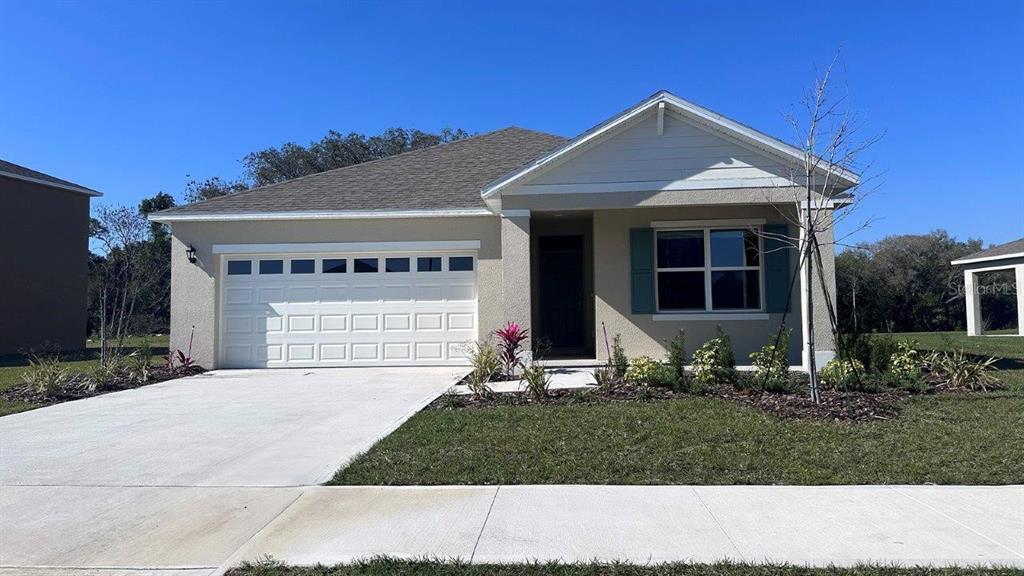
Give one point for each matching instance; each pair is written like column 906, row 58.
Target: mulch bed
column 22, row 393
column 856, row 407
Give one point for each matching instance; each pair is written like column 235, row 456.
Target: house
column 44, row 255
column 1009, row 256
column 665, row 217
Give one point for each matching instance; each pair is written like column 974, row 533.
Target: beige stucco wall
column 44, row 264
column 641, row 334
column 193, row 286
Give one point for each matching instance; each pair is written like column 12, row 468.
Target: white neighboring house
column 1009, row 256
column 642, row 226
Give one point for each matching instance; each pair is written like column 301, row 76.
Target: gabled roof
column 697, row 114
column 445, row 179
column 12, row 170
column 1006, row 251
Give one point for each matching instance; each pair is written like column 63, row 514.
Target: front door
column 561, row 294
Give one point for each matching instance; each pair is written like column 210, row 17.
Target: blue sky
column 131, row 98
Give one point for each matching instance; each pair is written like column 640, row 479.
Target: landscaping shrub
column 605, row 376
column 854, row 346
column 536, row 380
column 664, row 376
column 677, row 355
column 486, row 363
column 640, row 370
column 785, row 383
column 618, row 361
column 839, row 372
column 771, row 362
column 905, row 363
column 883, row 348
column 510, row 347
column 713, row 362
column 46, row 376
column 959, row 371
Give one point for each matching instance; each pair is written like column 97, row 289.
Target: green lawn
column 389, row 567
column 962, row 439
column 12, row 366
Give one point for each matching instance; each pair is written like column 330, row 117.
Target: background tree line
column 905, row 283
column 130, row 276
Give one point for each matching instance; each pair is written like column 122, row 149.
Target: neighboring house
column 44, row 258
column 642, row 226
column 1009, row 256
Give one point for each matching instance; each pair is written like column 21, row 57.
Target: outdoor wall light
column 191, row 254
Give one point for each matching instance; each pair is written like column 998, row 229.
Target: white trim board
column 708, row 316
column 329, row 247
column 57, row 185
column 707, row 223
column 989, row 259
column 324, row 215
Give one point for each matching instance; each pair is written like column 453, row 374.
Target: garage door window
column 396, row 264
column 303, row 266
column 460, row 264
column 365, row 265
column 428, row 264
column 335, row 265
column 271, row 266
column 239, row 267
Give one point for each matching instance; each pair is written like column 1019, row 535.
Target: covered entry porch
column 1009, row 256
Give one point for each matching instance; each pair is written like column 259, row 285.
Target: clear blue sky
column 131, row 98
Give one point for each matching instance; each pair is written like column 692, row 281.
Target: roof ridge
column 368, row 162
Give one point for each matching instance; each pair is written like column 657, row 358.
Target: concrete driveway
column 223, row 428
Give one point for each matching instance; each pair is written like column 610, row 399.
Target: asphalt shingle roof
column 446, row 176
column 1015, row 247
column 18, row 170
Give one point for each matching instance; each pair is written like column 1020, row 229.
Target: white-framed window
column 708, row 270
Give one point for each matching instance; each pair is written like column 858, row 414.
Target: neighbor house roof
column 445, row 179
column 12, row 170
column 1006, row 251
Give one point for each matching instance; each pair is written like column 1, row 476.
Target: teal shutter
column 641, row 268
column 777, row 272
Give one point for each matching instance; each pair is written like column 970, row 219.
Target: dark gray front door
column 561, row 293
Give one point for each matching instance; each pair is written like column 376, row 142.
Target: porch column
column 824, row 339
column 515, row 266
column 972, row 303
column 1019, row 274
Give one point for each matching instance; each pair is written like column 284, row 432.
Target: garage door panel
column 348, row 318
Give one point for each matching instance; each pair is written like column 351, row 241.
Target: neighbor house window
column 708, row 269
column 271, row 266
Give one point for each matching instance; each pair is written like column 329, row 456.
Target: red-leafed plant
column 510, row 344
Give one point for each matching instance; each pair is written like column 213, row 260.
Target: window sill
column 709, row 316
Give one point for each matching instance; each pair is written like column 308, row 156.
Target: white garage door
column 347, row 309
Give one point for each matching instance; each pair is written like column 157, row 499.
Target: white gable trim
column 690, row 112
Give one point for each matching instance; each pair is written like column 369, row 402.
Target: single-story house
column 665, row 217
column 44, row 256
column 1009, row 256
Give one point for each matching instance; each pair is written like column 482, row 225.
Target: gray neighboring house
column 646, row 224
column 44, row 256
column 1009, row 256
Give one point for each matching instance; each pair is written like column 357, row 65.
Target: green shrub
column 677, row 355
column 486, row 362
column 838, row 372
column 604, row 376
column 640, row 369
column 913, row 382
column 883, row 347
column 772, row 362
column 46, row 376
column 664, row 376
column 619, row 361
column 959, row 371
column 854, row 346
column 905, row 363
column 713, row 362
column 536, row 380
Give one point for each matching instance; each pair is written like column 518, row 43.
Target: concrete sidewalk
column 204, row 530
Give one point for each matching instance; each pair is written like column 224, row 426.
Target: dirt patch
column 834, row 406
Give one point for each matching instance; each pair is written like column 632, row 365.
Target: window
column 428, row 264
column 365, row 265
column 335, row 265
column 239, row 267
column 303, row 266
column 271, row 266
column 460, row 263
column 396, row 264
column 708, row 269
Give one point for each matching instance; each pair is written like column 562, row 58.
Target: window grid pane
column 428, row 264
column 365, row 265
column 680, row 249
column 271, row 266
column 460, row 264
column 303, row 266
column 396, row 264
column 239, row 267
column 335, row 265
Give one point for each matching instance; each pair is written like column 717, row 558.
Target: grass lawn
column 388, row 567
column 12, row 366
column 964, row 439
